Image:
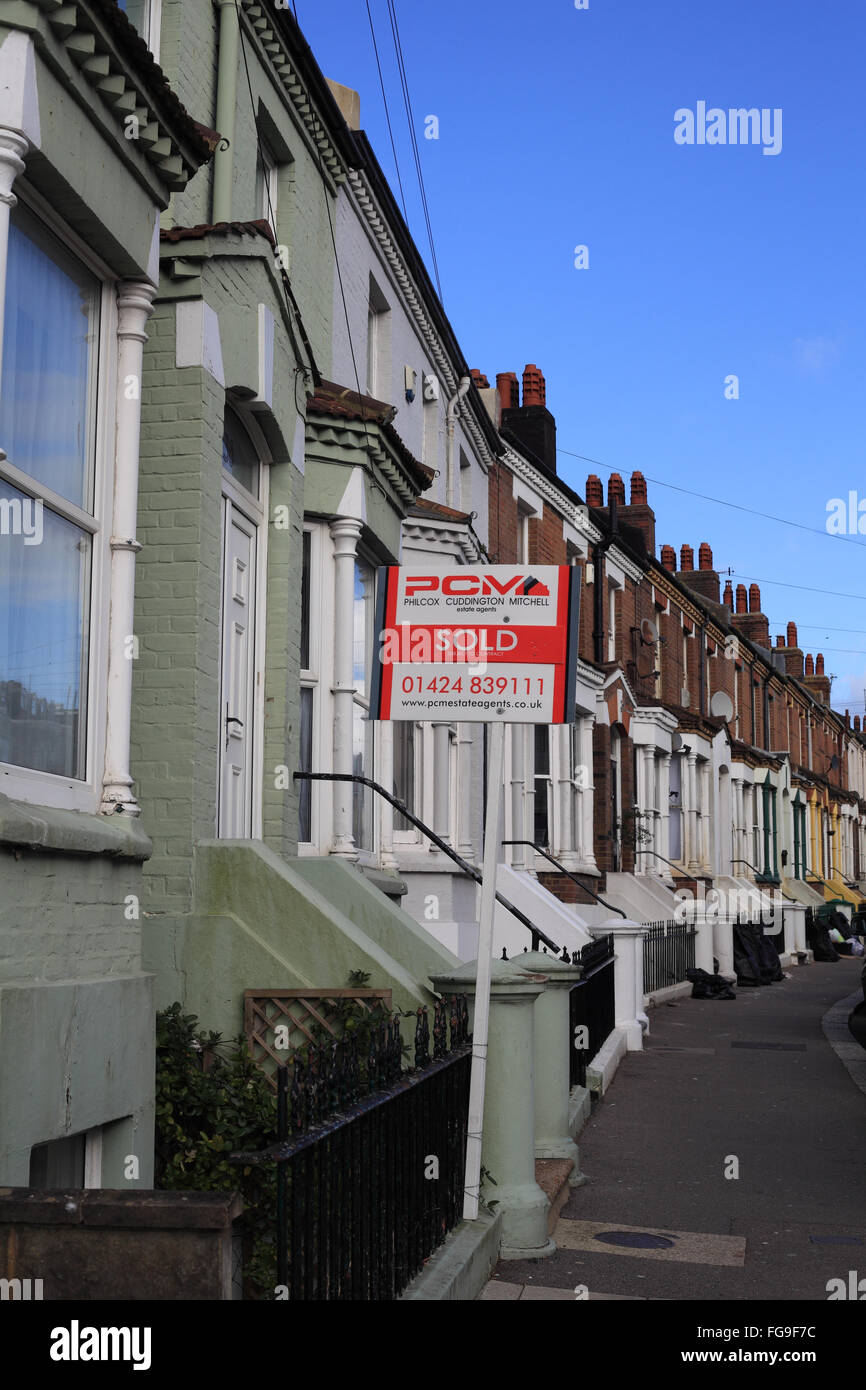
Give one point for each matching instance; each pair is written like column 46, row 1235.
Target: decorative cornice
column 437, row 535
column 329, row 438
column 98, row 41
column 413, row 303
column 275, row 54
column 574, row 513
column 634, row 572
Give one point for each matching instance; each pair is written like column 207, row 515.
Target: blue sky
column 556, row 129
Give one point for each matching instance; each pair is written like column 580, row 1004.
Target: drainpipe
column 450, row 415
column 226, row 105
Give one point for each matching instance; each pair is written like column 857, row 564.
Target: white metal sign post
column 494, row 645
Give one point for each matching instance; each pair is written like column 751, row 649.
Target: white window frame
column 368, row 854
column 30, row 784
column 153, row 26
column 268, row 207
column 412, row 838
column 311, row 677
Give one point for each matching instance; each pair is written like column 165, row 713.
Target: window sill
column 71, row 832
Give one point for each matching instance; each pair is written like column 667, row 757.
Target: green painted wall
column 263, row 922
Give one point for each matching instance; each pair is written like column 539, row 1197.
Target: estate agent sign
column 476, row 645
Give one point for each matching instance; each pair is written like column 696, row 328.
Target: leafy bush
column 211, row 1100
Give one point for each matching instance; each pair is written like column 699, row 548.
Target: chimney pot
column 792, row 635
column 687, row 557
column 669, row 558
column 819, row 664
column 856, row 723
column 638, row 489
column 509, row 391
column 754, row 599
column 742, row 606
column 810, row 665
column 780, row 641
column 534, row 390
column 615, row 490
column 479, row 379
column 705, row 557
column 728, row 596
column 594, row 491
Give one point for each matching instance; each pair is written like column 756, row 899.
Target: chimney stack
column 616, row 490
column 594, row 491
column 815, row 680
column 703, row 580
column 531, row 424
column 509, row 391
column 752, row 623
column 669, row 558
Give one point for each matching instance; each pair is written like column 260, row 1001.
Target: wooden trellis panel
column 300, row 1010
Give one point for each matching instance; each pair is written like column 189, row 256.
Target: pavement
column 726, row 1161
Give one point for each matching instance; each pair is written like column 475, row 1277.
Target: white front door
column 237, row 704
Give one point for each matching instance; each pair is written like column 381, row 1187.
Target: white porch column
column 665, row 808
column 346, row 532
column 648, row 862
column 465, row 746
column 693, row 861
column 704, row 775
column 563, row 835
column 385, row 742
column 587, row 834
column 134, row 307
column 518, row 795
column 13, row 148
column 442, row 783
column 628, row 977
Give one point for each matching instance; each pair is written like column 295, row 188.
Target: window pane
column 541, row 828
column 44, row 607
column 58, row 1164
column 305, row 798
column 239, row 455
column 305, row 602
column 49, row 351
column 404, row 771
column 362, row 631
column 137, row 13
column 362, row 762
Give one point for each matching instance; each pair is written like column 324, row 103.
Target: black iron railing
column 592, row 1010
column 539, row 849
column 668, row 952
column 370, row 1160
column 470, row 869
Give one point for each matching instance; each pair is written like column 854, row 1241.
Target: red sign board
column 483, row 644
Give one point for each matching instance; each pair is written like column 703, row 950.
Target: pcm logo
column 466, row 585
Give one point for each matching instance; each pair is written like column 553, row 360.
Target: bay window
column 362, row 726
column 49, row 501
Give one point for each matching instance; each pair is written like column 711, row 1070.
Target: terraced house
column 93, row 143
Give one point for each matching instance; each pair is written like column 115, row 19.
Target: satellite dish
column 676, row 742
column 722, row 706
column 649, row 633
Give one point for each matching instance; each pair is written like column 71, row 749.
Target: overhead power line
column 413, row 137
column 722, row 502
column 387, row 110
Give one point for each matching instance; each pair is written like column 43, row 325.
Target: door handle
column 231, row 719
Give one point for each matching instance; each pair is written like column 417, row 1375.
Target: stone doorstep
column 552, row 1175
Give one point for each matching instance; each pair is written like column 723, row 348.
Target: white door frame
column 255, row 513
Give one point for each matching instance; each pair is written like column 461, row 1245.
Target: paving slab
column 762, row 1144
